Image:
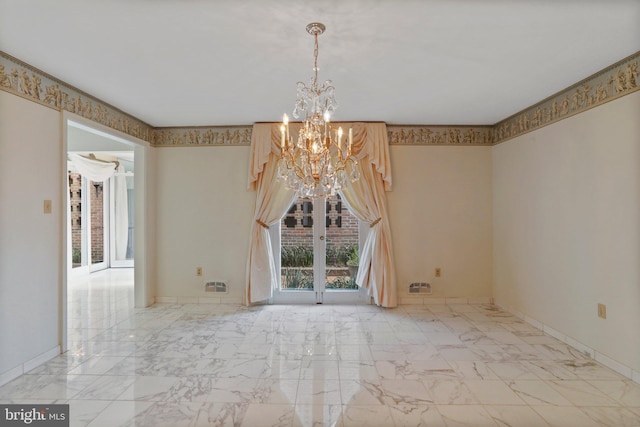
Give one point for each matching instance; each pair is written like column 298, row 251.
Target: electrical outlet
column 602, row 311
column 438, row 272
column 199, row 271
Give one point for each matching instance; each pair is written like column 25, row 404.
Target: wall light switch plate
column 602, row 311
column 47, row 206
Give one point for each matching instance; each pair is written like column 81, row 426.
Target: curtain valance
column 369, row 141
column 95, row 170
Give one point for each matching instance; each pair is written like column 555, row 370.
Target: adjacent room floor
column 219, row 365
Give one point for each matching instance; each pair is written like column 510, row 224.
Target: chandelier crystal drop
column 320, row 162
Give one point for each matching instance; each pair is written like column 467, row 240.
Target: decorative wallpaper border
column 202, row 136
column 28, row 82
column 619, row 79
column 398, row 135
column 440, row 135
column 611, row 83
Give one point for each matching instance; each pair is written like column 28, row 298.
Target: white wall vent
column 217, row 287
column 420, row 288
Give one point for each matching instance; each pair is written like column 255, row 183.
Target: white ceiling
column 232, row 62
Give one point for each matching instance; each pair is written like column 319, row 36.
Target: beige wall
column 204, row 213
column 30, row 241
column 567, row 227
column 440, row 211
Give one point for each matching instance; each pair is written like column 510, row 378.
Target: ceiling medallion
column 319, row 162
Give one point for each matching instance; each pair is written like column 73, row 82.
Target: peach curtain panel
column 367, row 200
column 272, row 202
column 365, row 197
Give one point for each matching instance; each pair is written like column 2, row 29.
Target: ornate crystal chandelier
column 319, row 163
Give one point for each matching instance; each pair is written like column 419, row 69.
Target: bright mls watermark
column 34, row 415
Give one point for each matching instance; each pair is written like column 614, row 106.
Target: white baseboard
column 39, row 360
column 11, row 374
column 25, row 367
column 583, row 348
column 403, row 300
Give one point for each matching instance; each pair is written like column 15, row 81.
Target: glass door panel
column 78, row 238
column 98, row 207
column 342, row 237
column 97, row 222
column 297, row 251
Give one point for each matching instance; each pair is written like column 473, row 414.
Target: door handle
column 321, row 237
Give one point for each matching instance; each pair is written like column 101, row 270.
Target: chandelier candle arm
column 282, row 139
column 327, row 117
column 285, row 121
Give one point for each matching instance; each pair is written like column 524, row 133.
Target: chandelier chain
column 318, row 164
column 315, row 60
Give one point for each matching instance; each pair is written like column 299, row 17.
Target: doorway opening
column 101, row 206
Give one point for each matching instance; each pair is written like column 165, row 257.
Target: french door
column 316, row 248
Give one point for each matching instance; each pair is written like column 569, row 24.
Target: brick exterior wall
column 342, row 225
column 97, row 221
column 75, row 197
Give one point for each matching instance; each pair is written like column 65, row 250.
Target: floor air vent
column 217, row 287
column 420, row 288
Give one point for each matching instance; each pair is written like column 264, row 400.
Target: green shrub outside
column 302, row 256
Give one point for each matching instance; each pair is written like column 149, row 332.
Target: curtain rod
column 92, row 156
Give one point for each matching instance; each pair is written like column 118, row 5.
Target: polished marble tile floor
column 333, row 365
